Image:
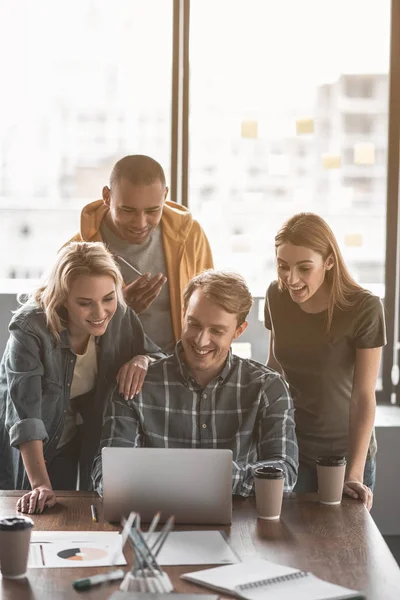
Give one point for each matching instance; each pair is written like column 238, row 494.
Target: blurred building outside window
column 269, row 96
column 85, row 82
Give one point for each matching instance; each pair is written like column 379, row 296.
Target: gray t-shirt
column 319, row 366
column 147, row 257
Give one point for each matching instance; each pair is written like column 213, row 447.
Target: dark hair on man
column 228, row 290
column 138, row 169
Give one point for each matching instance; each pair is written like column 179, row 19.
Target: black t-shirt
column 319, row 366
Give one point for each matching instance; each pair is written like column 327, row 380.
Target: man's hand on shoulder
column 142, row 292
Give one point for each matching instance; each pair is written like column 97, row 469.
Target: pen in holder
column 146, row 574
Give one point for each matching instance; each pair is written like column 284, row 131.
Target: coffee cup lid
column 15, row 523
column 331, row 461
column 269, row 473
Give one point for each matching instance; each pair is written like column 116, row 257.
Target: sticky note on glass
column 364, row 153
column 331, row 161
column 353, row 240
column 304, row 125
column 260, row 312
column 249, row 129
column 242, row 349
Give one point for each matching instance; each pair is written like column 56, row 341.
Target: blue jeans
column 307, row 477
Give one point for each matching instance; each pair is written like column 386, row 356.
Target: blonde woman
column 327, row 334
column 70, row 341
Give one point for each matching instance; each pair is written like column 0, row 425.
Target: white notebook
column 259, row 579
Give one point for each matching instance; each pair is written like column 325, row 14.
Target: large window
column 289, row 113
column 277, row 107
column 84, row 83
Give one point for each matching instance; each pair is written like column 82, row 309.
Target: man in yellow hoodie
column 156, row 237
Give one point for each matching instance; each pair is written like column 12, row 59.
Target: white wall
column 386, row 509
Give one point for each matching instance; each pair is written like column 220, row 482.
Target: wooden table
column 341, row 544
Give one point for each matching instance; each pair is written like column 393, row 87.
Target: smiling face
column 302, row 272
column 208, row 331
column 91, row 304
column 135, row 210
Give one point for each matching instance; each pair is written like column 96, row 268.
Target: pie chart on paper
column 85, row 554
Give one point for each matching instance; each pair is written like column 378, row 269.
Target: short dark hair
column 138, row 169
column 228, row 290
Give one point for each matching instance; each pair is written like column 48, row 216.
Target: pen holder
column 147, row 582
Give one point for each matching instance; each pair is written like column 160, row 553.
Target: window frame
column 390, row 392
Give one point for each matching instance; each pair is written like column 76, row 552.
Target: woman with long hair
column 327, row 334
column 72, row 341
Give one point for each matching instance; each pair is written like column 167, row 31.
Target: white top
column 85, row 372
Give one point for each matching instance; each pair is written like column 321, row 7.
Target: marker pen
column 88, row 582
column 94, row 513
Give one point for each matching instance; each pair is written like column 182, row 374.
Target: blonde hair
column 228, row 290
column 73, row 260
column 311, row 231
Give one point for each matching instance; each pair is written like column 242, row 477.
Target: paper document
column 171, row 596
column 75, row 549
column 195, row 548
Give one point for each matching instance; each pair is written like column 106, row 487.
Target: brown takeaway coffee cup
column 330, row 472
column 15, row 536
column 269, row 482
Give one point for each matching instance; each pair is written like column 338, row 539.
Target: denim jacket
column 36, row 374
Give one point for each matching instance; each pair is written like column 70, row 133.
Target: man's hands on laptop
column 131, row 376
column 142, row 292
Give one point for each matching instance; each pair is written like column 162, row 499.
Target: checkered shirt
column 247, row 408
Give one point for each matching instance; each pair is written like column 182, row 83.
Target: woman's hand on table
column 35, row 501
column 356, row 489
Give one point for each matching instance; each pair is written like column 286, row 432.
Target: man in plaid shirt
column 203, row 396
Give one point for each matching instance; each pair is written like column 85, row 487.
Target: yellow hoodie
column 186, row 248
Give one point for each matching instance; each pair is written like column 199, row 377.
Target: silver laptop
column 194, row 485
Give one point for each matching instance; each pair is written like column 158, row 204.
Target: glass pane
column 84, row 83
column 289, row 113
